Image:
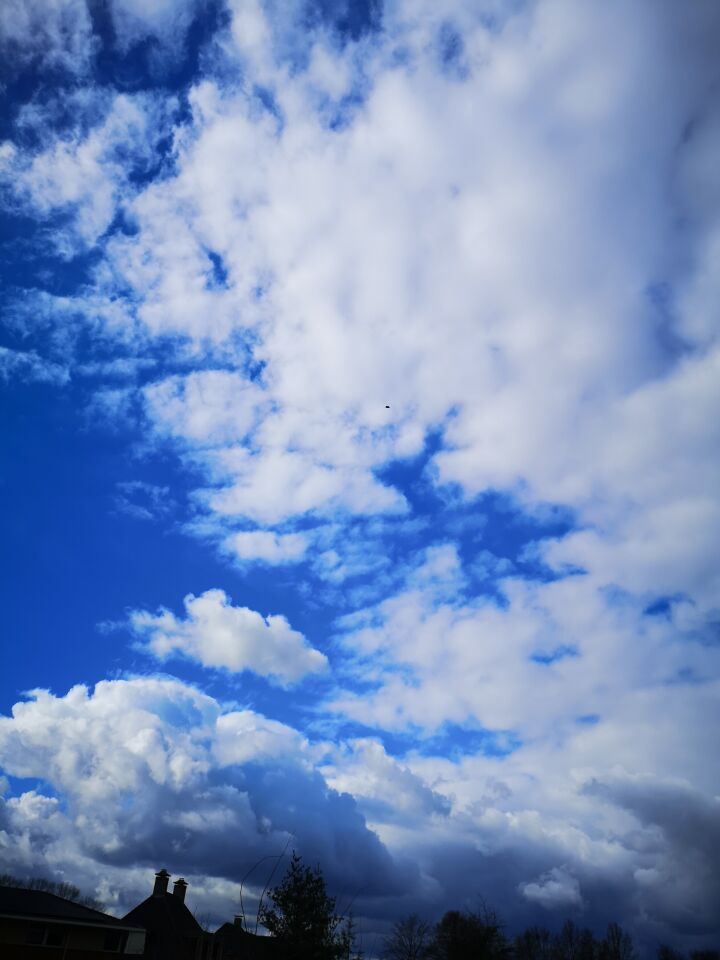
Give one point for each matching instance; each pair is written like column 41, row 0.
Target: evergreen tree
column 303, row 917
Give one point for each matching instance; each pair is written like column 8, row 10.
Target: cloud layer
column 425, row 309
column 152, row 770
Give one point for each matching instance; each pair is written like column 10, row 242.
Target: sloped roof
column 16, row 901
column 167, row 911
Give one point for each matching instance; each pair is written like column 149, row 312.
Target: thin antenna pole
column 268, row 856
column 257, row 915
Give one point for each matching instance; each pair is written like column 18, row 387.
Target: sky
column 360, row 454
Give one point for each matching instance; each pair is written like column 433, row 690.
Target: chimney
column 179, row 888
column 161, row 883
column 238, row 920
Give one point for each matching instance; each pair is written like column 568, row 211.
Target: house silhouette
column 37, row 925
column 173, row 933
column 32, row 922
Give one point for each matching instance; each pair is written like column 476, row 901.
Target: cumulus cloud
column 267, row 546
column 217, row 634
column 154, row 771
column 386, row 790
column 143, row 771
column 556, row 889
column 243, row 736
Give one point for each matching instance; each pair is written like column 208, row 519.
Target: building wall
column 76, row 942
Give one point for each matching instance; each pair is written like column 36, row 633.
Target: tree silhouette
column 668, row 953
column 535, row 943
column 469, row 936
column 617, row 944
column 409, row 939
column 303, row 917
column 575, row 943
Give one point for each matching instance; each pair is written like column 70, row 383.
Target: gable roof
column 17, row 901
column 173, row 931
column 166, row 912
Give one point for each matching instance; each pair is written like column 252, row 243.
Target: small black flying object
column 387, row 406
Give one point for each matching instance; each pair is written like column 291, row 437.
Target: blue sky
column 359, row 366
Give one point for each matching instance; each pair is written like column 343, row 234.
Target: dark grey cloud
column 679, row 833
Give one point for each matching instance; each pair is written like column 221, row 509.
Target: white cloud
column 85, row 175
column 267, row 546
column 387, row 791
column 277, row 483
column 205, row 408
column 548, row 354
column 550, row 654
column 217, row 634
column 152, row 752
column 244, row 736
column 556, row 890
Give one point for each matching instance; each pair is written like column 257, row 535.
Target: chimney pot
column 179, row 888
column 238, row 920
column 161, row 883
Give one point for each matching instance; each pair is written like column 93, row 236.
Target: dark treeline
column 301, row 917
column 464, row 935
